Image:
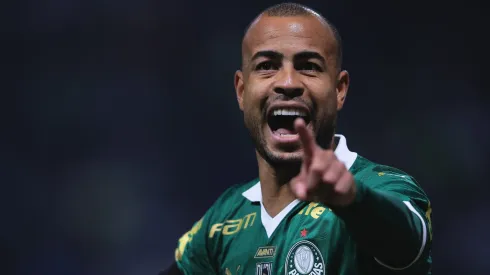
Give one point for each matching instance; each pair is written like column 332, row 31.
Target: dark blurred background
column 121, row 127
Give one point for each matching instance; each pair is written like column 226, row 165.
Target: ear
column 239, row 88
column 342, row 88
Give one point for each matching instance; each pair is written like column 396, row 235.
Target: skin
column 293, row 59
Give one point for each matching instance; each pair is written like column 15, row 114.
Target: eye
column 266, row 66
column 309, row 66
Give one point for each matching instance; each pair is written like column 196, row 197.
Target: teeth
column 288, row 112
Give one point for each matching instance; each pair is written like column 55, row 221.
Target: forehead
column 289, row 35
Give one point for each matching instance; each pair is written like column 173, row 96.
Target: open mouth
column 281, row 121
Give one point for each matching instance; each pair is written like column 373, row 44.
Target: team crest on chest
column 304, row 258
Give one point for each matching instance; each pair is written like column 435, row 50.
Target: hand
column 322, row 178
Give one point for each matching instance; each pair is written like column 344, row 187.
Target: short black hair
column 294, row 9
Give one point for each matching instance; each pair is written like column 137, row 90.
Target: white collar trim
column 342, row 152
column 254, row 193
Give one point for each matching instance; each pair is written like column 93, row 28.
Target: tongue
column 284, row 131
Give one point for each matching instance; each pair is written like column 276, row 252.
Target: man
column 316, row 207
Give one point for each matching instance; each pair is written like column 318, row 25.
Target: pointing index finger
column 307, row 140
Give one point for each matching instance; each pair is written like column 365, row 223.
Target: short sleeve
column 195, row 253
column 191, row 254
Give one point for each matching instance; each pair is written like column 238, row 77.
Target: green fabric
column 375, row 235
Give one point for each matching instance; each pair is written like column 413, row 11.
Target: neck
column 274, row 181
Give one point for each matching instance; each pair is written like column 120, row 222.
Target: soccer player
column 316, row 206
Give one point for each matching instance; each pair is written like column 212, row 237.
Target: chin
column 278, row 157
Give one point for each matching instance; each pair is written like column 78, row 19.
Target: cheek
column 322, row 92
column 254, row 95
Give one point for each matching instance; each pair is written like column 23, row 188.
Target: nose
column 288, row 83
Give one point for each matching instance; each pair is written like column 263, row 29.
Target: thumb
column 298, row 186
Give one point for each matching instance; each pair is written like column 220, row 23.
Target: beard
column 323, row 124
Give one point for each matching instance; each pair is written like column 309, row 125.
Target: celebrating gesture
column 290, row 87
column 323, row 177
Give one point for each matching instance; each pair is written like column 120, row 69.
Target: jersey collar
column 342, row 152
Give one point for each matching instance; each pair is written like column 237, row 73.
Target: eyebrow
column 310, row 55
column 277, row 55
column 268, row 54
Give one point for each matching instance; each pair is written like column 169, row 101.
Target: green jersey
column 238, row 236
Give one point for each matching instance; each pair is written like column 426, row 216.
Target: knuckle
column 340, row 188
column 339, row 166
column 329, row 176
column 317, row 166
column 344, row 183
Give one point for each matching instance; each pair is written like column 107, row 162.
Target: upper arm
column 191, row 254
column 195, row 253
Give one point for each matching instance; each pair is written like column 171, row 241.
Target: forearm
column 386, row 226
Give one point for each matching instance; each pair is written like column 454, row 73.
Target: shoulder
column 230, row 201
column 367, row 171
column 379, row 175
column 235, row 193
column 386, row 178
